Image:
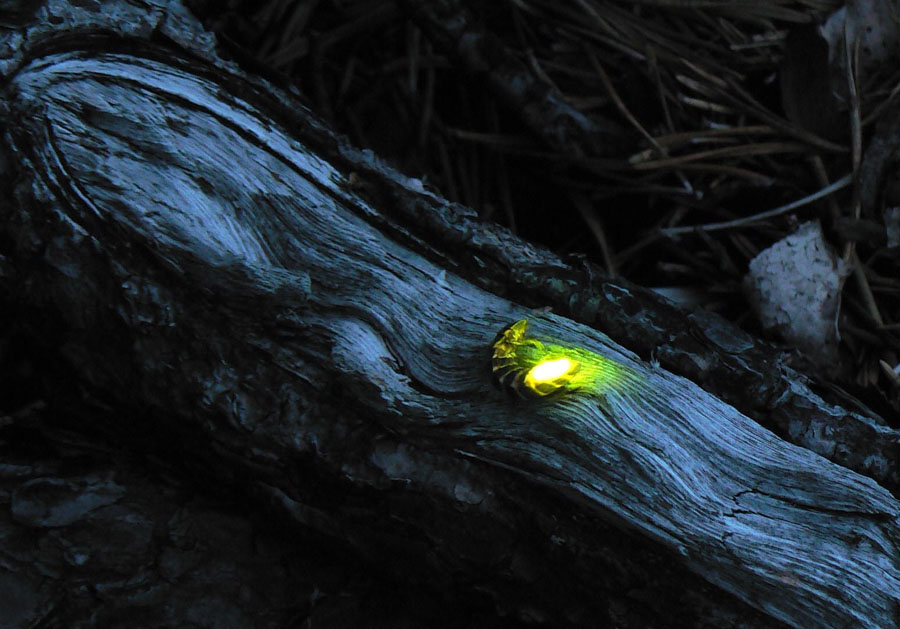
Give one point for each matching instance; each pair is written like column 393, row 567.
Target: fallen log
column 308, row 326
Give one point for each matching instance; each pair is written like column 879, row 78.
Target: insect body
column 527, row 366
column 533, row 368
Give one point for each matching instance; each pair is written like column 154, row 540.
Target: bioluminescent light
column 530, row 367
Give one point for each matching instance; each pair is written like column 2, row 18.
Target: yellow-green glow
column 531, row 367
column 550, row 375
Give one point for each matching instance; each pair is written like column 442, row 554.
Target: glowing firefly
column 532, row 368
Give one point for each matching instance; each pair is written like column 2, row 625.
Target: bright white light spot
column 550, row 370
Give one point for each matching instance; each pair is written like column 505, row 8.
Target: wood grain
column 212, row 270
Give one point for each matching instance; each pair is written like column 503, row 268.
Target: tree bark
column 313, row 330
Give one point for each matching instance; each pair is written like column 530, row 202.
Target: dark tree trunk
column 298, row 325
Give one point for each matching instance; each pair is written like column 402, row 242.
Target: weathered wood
column 92, row 538
column 208, row 265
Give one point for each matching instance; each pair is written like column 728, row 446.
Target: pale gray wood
column 213, row 268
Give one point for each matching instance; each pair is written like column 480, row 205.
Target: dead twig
column 843, row 182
